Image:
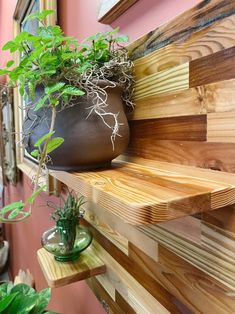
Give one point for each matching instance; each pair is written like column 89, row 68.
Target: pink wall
column 78, row 18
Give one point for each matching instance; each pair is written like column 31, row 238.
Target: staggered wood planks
column 59, row 274
column 183, row 122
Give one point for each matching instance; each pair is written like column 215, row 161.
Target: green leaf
column 43, row 300
column 10, row 63
column 9, row 45
column 41, row 102
column 54, row 143
column 43, row 138
column 71, row 90
column 35, row 153
column 32, row 198
column 122, row 39
column 6, row 301
column 38, row 15
column 3, row 72
column 16, row 205
column 54, row 88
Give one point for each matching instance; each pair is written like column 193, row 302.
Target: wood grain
column 123, row 303
column 212, row 68
column 110, row 306
column 136, row 271
column 206, row 41
column 214, row 265
column 145, row 195
column 130, row 289
column 221, row 127
column 118, row 232
column 171, row 80
column 215, row 97
column 181, row 28
column 216, row 156
column 174, row 128
column 59, row 274
column 199, row 292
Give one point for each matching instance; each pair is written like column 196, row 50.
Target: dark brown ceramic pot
column 87, row 140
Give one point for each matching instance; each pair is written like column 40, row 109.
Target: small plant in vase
column 68, row 238
column 75, row 99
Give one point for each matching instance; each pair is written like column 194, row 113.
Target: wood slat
column 206, row 41
column 216, row 156
column 213, row 68
column 199, row 292
column 110, row 306
column 136, row 271
column 215, row 97
column 221, row 127
column 174, row 128
column 59, row 274
column 123, row 303
column 171, row 80
column 182, row 27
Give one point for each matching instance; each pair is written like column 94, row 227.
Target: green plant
column 69, row 208
column 22, row 299
column 66, row 69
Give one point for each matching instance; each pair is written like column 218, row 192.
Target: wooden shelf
column 60, row 274
column 149, row 192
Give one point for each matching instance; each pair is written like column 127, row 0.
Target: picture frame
column 110, row 10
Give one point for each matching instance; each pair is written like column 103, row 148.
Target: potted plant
column 22, row 298
column 74, row 95
column 68, row 238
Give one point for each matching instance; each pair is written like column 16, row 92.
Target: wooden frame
column 24, row 164
column 7, row 140
column 109, row 10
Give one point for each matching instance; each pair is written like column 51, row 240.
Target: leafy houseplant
column 57, row 74
column 67, row 239
column 23, row 299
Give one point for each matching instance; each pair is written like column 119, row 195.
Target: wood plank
column 174, row 128
column 218, row 36
column 118, row 232
column 216, row 156
column 109, row 305
column 130, row 289
column 209, row 262
column 59, row 274
column 123, row 303
column 215, row 97
column 199, row 292
column 136, row 271
column 221, row 127
column 223, row 219
column 171, row 80
column 213, row 68
column 107, row 15
column 182, row 27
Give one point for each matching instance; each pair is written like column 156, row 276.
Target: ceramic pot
column 66, row 240
column 87, row 140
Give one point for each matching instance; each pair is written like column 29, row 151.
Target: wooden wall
column 184, row 115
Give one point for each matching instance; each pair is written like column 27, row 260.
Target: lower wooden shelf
column 60, row 274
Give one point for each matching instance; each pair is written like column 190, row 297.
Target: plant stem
column 44, row 151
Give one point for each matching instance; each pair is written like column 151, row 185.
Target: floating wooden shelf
column 60, row 274
column 152, row 192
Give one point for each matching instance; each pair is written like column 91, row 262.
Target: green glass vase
column 66, row 240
